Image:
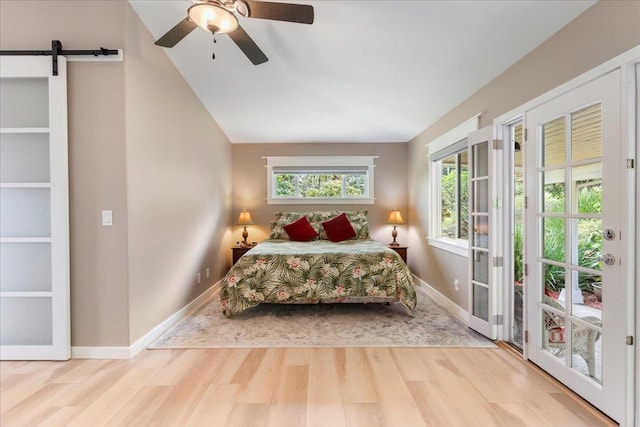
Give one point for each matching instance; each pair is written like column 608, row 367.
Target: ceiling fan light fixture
column 213, row 18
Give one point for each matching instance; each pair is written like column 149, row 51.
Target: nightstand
column 238, row 251
column 402, row 251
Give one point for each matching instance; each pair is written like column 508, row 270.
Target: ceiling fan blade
column 300, row 13
column 177, row 33
column 248, row 46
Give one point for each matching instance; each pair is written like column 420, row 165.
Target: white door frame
column 630, row 121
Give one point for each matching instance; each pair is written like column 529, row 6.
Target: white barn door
column 34, row 210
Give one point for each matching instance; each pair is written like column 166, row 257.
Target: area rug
column 321, row 325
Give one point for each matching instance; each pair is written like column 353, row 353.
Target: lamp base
column 245, row 234
column 394, row 234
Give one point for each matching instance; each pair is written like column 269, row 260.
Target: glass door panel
column 24, row 102
column 553, row 142
column 515, row 205
column 24, row 157
column 25, row 267
column 26, row 321
column 25, row 212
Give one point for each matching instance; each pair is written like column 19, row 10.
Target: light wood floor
column 290, row 387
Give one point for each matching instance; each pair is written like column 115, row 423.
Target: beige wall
column 250, row 187
column 142, row 145
column 604, row 31
column 178, row 184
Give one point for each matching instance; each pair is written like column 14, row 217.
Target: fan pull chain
column 213, row 55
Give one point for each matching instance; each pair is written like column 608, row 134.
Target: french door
column 34, row 210
column 485, row 229
column 575, row 241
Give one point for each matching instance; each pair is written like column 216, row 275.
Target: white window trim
column 320, row 162
column 455, row 135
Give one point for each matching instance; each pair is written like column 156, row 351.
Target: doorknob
column 608, row 259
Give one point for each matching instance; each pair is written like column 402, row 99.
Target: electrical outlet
column 456, row 285
column 206, row 273
column 198, row 278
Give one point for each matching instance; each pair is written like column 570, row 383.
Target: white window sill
column 458, row 247
column 328, row 201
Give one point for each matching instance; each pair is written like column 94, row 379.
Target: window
column 336, row 179
column 454, row 196
column 449, row 186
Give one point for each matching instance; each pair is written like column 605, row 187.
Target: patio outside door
column 575, row 242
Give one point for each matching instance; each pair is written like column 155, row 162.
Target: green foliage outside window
column 318, row 185
column 454, row 214
column 285, row 185
column 589, row 238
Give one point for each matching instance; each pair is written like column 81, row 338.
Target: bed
column 318, row 270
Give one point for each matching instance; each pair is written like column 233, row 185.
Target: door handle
column 608, row 259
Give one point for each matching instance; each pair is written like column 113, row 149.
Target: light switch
column 107, row 218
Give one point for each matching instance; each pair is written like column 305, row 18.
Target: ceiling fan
column 217, row 17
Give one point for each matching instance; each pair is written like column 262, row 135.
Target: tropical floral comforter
column 283, row 271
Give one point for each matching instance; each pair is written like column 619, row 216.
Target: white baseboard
column 148, row 338
column 100, row 352
column 445, row 302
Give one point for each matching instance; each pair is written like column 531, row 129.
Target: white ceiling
column 365, row 71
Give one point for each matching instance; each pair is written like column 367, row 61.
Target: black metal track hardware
column 56, row 49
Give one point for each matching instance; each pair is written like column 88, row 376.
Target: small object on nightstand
column 401, row 250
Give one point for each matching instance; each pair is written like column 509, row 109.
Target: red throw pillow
column 339, row 228
column 300, row 230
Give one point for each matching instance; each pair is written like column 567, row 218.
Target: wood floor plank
column 231, row 361
column 514, row 414
column 29, row 409
column 185, row 396
column 289, row 403
column 564, row 402
column 486, row 360
column 396, row 401
column 140, row 409
column 297, row 356
column 180, row 366
column 35, row 379
column 324, row 403
column 215, row 406
column 83, row 370
column 430, row 353
column 410, row 364
column 264, row 379
column 434, row 405
column 56, row 416
column 356, row 379
column 248, row 415
column 113, row 399
column 85, row 392
column 155, row 359
column 363, row 415
column 463, row 398
column 249, row 365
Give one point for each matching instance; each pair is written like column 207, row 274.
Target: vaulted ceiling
column 365, row 71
